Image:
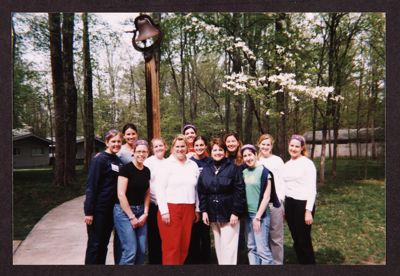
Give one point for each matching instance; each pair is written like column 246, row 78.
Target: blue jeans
column 259, row 252
column 132, row 240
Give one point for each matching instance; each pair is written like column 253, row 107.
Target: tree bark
column 71, row 97
column 58, row 96
column 88, row 121
column 280, row 97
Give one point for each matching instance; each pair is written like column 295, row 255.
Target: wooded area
column 278, row 73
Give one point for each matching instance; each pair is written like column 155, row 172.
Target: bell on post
column 146, row 30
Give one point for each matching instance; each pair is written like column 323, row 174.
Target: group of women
column 168, row 205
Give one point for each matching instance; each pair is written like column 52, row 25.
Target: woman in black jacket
column 222, row 199
column 101, row 193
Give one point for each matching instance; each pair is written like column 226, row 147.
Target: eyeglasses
column 141, row 151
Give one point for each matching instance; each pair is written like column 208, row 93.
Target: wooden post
column 152, row 99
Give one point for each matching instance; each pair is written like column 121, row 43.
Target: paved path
column 59, row 238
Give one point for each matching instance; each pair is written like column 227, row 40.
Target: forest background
column 253, row 73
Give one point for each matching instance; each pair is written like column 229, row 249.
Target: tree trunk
column 314, row 127
column 280, row 97
column 183, row 72
column 248, row 126
column 58, row 96
column 71, row 97
column 227, row 96
column 88, row 121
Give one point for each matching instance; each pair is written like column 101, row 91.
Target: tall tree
column 88, row 94
column 58, row 95
column 70, row 97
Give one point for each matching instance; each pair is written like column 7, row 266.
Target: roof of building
column 349, row 135
column 19, row 137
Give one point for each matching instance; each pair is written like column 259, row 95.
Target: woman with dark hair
column 233, row 145
column 177, row 199
column 101, row 192
column 190, row 132
column 130, row 135
column 200, row 243
column 260, row 190
column 222, row 201
column 155, row 163
column 300, row 178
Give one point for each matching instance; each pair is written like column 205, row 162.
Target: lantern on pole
column 149, row 35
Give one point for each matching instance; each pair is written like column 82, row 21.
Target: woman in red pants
column 177, row 201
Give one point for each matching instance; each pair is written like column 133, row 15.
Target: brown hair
column 237, row 155
column 219, row 142
column 111, row 134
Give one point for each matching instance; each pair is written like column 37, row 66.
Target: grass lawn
column 349, row 225
column 34, row 196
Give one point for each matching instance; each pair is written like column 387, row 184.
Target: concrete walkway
column 59, row 238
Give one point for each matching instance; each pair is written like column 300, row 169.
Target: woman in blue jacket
column 222, row 201
column 260, row 190
column 101, row 193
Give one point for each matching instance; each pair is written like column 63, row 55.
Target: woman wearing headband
column 132, row 207
column 260, row 190
column 190, row 132
column 300, row 178
column 101, row 191
column 274, row 164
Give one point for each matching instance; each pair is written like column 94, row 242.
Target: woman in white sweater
column 177, row 200
column 155, row 164
column 300, row 178
column 274, row 164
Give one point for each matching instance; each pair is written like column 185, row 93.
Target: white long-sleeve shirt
column 300, row 176
column 155, row 166
column 177, row 184
column 275, row 165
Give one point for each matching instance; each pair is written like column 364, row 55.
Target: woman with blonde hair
column 177, row 200
column 300, row 176
column 274, row 164
column 155, row 163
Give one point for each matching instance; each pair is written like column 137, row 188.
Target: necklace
column 217, row 169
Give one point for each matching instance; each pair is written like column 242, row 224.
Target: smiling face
column 232, row 143
column 130, row 136
column 200, row 148
column 295, row 148
column 180, row 150
column 249, row 158
column 265, row 147
column 141, row 153
column 114, row 144
column 159, row 149
column 217, row 153
column 190, row 134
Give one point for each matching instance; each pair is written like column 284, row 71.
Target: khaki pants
column 226, row 238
